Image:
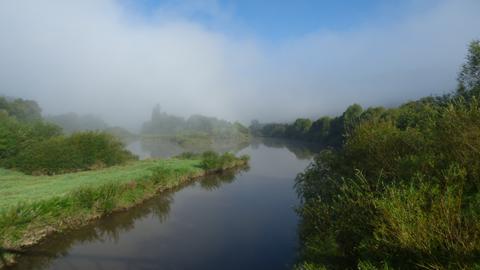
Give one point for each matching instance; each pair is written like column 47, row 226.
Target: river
column 237, row 220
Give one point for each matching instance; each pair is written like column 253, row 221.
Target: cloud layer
column 96, row 57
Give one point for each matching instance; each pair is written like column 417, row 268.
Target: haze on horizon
column 230, row 59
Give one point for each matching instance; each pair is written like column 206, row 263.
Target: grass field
column 32, row 207
column 17, row 188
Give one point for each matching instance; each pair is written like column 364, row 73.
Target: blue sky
column 238, row 60
column 280, row 20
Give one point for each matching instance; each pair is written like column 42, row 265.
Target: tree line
column 162, row 123
column 403, row 190
column 327, row 130
column 331, row 131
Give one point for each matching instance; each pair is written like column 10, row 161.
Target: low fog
column 98, row 57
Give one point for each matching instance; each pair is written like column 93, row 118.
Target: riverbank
column 33, row 207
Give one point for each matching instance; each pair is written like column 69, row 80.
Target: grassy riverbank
column 34, row 206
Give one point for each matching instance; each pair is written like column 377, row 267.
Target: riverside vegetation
column 50, row 182
column 403, row 191
column 197, row 131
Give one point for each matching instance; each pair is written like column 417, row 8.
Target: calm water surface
column 239, row 220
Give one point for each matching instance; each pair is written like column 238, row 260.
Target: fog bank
column 97, row 57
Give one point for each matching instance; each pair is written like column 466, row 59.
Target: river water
column 238, row 220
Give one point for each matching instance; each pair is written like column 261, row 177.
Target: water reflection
column 109, row 229
column 302, row 150
column 160, row 147
column 163, row 147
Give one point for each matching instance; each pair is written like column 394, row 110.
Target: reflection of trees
column 167, row 147
column 158, row 147
column 302, row 150
column 109, row 228
column 106, row 229
column 215, row 181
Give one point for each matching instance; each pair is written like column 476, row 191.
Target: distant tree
column 469, row 76
column 299, row 128
column 351, row 116
column 255, row 128
column 4, row 105
column 23, row 110
column 274, row 130
column 320, row 128
column 163, row 123
column 373, row 114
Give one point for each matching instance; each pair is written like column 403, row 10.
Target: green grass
column 16, row 187
column 32, row 207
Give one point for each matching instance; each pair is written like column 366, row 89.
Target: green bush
column 15, row 136
column 210, row 160
column 213, row 161
column 80, row 151
column 404, row 191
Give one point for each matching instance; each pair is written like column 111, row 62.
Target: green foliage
column 16, row 136
column 245, row 158
column 22, row 110
column 433, row 226
column 68, row 200
column 309, row 266
column 80, row 151
column 30, row 204
column 325, row 130
column 34, row 146
column 469, row 76
column 351, row 116
column 404, row 190
column 211, row 161
column 274, row 130
column 211, row 128
column 188, row 155
column 299, row 128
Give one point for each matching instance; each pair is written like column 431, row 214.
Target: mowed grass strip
column 17, row 188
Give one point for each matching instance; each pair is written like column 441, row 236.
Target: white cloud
column 91, row 56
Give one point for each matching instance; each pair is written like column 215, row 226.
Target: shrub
column 210, row 160
column 402, row 192
column 15, row 136
column 213, row 161
column 433, row 225
column 80, row 151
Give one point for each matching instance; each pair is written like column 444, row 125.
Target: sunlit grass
column 16, row 187
column 31, row 207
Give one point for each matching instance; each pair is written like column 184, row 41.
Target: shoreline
column 86, row 204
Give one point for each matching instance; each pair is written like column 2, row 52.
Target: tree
column 299, row 128
column 469, row 76
column 320, row 128
column 23, row 110
column 351, row 116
